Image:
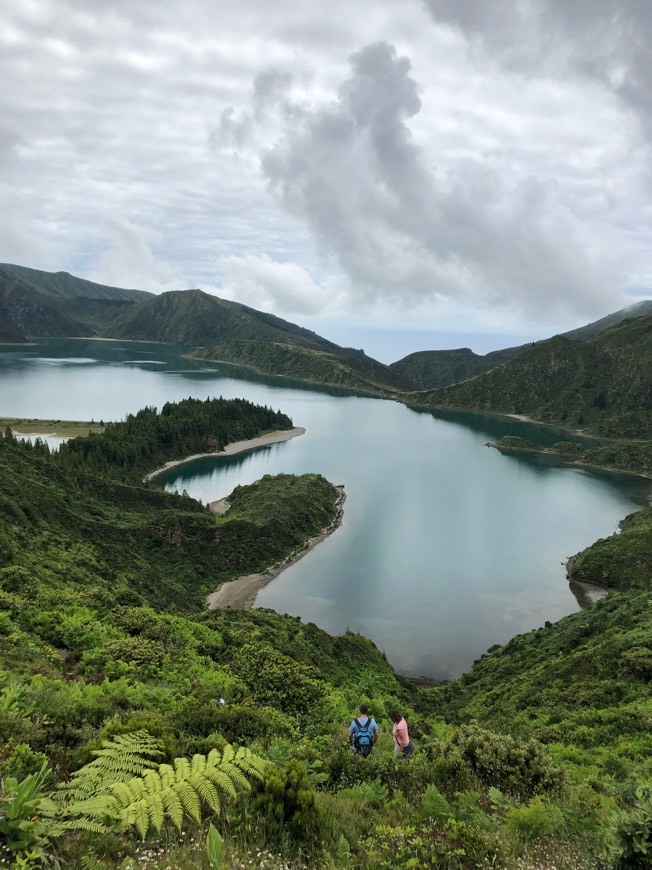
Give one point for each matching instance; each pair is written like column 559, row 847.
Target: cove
column 447, row 547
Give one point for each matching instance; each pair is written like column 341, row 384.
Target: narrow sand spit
column 231, row 449
column 240, row 594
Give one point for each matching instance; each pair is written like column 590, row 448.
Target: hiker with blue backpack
column 363, row 732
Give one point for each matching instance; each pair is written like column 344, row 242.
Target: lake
column 447, row 547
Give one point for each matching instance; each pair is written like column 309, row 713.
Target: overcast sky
column 446, row 167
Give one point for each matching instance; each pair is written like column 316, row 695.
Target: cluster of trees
column 115, row 752
column 143, row 441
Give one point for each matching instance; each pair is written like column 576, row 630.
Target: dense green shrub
column 284, row 809
column 447, row 844
column 515, row 766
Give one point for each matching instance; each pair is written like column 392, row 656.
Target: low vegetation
column 632, row 457
column 345, row 368
column 601, row 386
column 116, row 751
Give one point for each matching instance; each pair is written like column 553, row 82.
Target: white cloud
column 263, row 283
column 503, row 175
column 408, row 235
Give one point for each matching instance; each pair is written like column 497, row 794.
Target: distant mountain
column 192, row 318
column 602, row 386
column 217, row 329
column 91, row 306
column 26, row 313
column 430, row 369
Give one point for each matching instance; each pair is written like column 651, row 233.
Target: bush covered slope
column 602, row 386
column 430, row 369
column 538, row 757
column 341, row 367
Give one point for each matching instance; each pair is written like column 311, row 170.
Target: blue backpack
column 363, row 738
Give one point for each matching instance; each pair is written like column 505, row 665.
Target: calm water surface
column 447, row 547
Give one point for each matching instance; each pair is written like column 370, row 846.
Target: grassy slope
column 634, row 457
column 431, row 369
column 623, row 560
column 603, row 386
column 349, row 369
column 583, row 682
column 89, row 306
column 229, row 332
column 82, row 657
column 26, row 312
column 192, row 318
column 76, row 533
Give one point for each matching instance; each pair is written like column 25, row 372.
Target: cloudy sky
column 394, row 175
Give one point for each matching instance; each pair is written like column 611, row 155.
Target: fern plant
column 124, row 787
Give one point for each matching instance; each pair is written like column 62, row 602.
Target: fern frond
column 119, row 759
column 173, row 806
column 206, row 791
column 214, row 757
column 167, row 774
column 222, row 780
column 181, row 768
column 101, row 806
column 189, row 799
column 139, row 817
column 58, row 829
column 123, row 793
column 156, row 810
column 236, row 776
column 122, row 786
column 198, row 764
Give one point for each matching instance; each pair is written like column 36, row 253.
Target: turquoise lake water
column 447, row 547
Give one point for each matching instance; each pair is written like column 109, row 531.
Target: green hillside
column 192, row 318
column 88, row 307
column 623, row 560
column 431, row 369
column 217, row 329
column 539, row 757
column 346, row 368
column 602, row 386
column 27, row 313
column 584, row 333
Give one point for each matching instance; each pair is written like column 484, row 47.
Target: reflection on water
column 447, row 546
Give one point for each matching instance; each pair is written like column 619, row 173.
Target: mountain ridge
column 602, row 386
column 430, row 369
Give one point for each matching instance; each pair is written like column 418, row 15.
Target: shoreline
column 565, row 459
column 231, row 449
column 241, row 593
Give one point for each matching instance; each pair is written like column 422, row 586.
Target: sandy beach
column 231, row 449
column 240, row 594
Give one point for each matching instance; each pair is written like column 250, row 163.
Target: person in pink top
column 402, row 743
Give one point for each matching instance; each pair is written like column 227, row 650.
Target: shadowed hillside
column 229, row 332
column 431, row 369
column 602, row 386
column 27, row 313
column 89, row 306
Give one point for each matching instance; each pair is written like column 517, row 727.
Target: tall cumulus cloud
column 404, row 230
